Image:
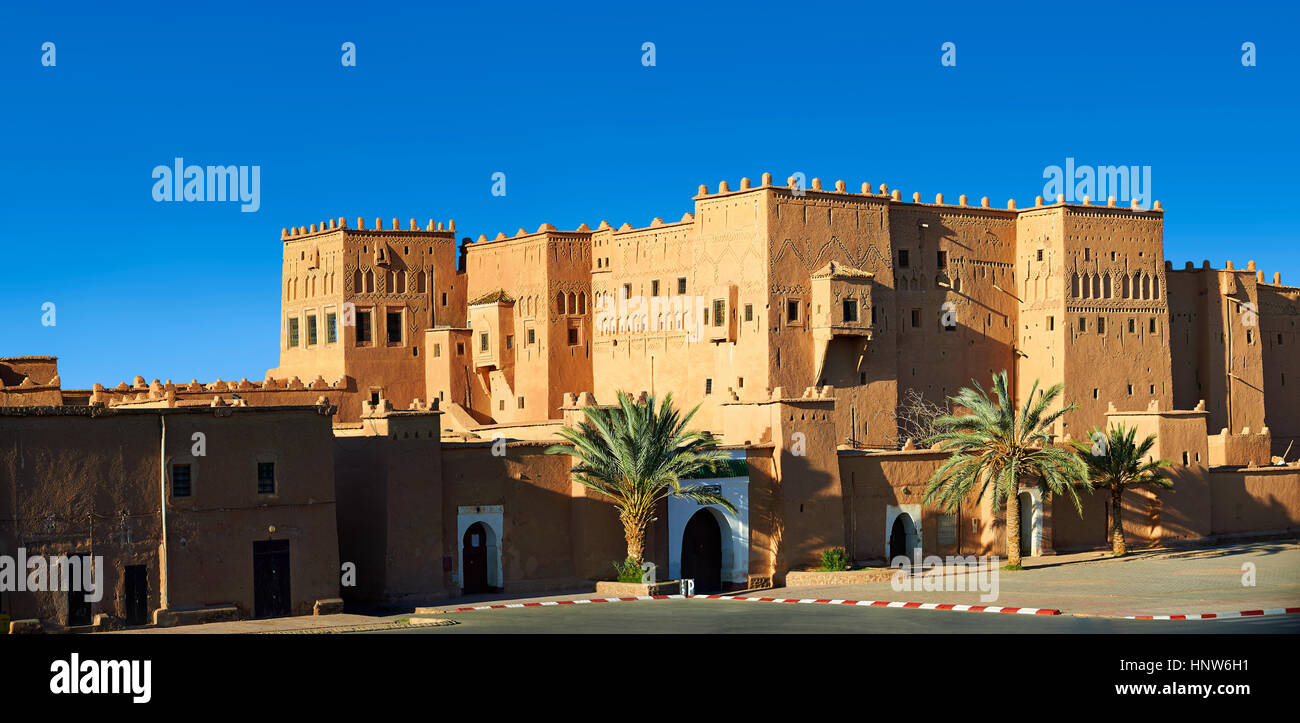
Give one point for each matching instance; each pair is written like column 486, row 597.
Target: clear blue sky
column 557, row 98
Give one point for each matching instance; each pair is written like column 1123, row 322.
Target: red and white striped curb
column 1219, row 616
column 888, row 604
column 861, row 603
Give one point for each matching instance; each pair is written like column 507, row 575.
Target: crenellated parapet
column 294, row 233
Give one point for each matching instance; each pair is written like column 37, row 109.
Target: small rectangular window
column 460, row 348
column 510, row 341
column 573, row 336
column 1101, row 325
column 850, row 310
column 521, row 402
column 1051, row 323
column 903, row 259
column 532, row 336
column 331, row 327
column 394, row 327
column 311, row 330
column 293, row 332
column 437, row 350
column 792, row 310
column 180, row 480
column 363, row 328
column 719, row 313
column 654, row 287
column 942, row 259
column 1083, row 323
column 1040, row 254
column 266, row 478
column 749, row 316
column 916, row 318
column 444, row 299
column 1153, row 326
column 708, row 386
column 627, row 291
column 681, row 285
column 483, row 341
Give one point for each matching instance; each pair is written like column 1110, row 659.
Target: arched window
column 370, row 281
column 419, row 282
column 582, row 302
column 356, row 281
column 1096, row 286
column 401, row 282
column 1074, row 286
column 573, row 303
column 559, row 302
column 1146, row 286
column 1137, row 285
column 1126, row 291
column 1105, row 286
column 1155, row 287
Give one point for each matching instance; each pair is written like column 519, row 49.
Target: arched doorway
column 475, row 561
column 702, row 552
column 902, row 537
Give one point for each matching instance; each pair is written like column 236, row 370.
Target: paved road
column 1157, row 582
column 733, row 616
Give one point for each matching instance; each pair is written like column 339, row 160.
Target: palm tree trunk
column 634, row 532
column 1117, row 544
column 1013, row 529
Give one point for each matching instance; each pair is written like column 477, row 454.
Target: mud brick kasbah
column 791, row 315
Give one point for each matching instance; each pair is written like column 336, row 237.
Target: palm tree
column 637, row 455
column 994, row 447
column 1115, row 461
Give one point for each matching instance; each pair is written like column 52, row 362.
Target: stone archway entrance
column 902, row 537
column 702, row 552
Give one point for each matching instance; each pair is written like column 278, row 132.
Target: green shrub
column 629, row 571
column 835, row 559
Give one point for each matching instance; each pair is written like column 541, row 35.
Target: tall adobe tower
column 355, row 302
column 1093, row 309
